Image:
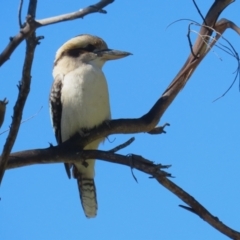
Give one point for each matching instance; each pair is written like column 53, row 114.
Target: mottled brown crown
column 78, row 44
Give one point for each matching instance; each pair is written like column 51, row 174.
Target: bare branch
column 24, row 88
column 199, row 11
column 121, row 146
column 20, row 14
column 96, row 8
column 3, row 104
column 32, row 8
column 31, row 25
column 197, row 208
column 62, row 153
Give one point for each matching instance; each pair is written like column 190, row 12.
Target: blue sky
column 202, row 143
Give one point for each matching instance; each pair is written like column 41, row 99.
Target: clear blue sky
column 202, row 143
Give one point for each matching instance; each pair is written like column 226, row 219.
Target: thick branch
column 64, row 154
column 31, row 25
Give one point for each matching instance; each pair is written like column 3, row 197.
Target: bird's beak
column 110, row 54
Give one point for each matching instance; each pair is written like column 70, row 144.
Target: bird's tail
column 88, row 194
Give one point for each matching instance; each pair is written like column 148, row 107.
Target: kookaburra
column 79, row 101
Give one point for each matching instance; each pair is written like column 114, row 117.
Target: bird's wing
column 56, row 107
column 56, row 111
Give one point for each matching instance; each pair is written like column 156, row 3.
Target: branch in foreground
column 31, row 25
column 62, row 153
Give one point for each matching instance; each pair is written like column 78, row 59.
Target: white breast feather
column 85, row 100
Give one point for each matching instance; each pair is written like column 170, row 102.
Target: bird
column 79, row 101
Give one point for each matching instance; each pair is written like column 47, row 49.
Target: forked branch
column 31, row 25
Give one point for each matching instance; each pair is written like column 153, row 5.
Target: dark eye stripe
column 89, row 48
column 72, row 52
column 77, row 51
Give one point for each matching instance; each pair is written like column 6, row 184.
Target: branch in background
column 24, row 88
column 31, row 25
column 20, row 14
column 3, row 104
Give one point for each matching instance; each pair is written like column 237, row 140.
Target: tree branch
column 20, row 14
column 3, row 104
column 63, row 153
column 147, row 122
column 121, row 146
column 96, row 8
column 24, row 88
column 31, row 25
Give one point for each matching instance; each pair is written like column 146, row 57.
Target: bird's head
column 87, row 48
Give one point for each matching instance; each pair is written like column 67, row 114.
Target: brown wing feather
column 56, row 112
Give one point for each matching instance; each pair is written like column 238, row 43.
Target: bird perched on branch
column 79, row 101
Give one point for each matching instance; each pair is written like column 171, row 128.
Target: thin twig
column 20, row 14
column 188, row 209
column 121, row 146
column 234, row 80
column 196, row 6
column 23, row 121
column 190, row 42
column 182, row 19
column 95, row 8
